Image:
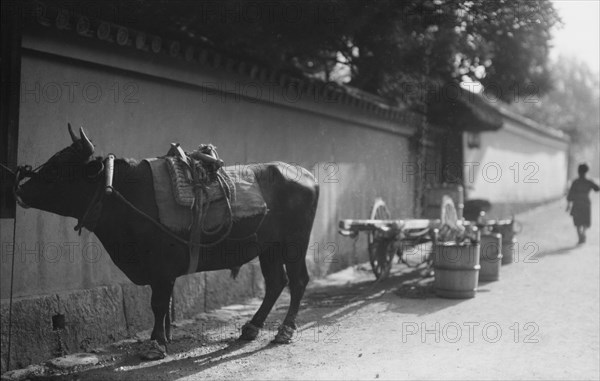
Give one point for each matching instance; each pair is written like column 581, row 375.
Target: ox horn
column 88, row 147
column 73, row 137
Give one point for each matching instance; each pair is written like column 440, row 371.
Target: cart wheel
column 381, row 256
column 381, row 249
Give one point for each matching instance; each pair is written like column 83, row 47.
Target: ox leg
column 168, row 333
column 298, row 275
column 275, row 281
column 161, row 296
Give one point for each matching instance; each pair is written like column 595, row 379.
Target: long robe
column 579, row 195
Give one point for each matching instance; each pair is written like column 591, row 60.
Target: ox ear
column 73, row 137
column 88, row 147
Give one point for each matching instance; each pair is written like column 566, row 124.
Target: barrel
column 490, row 257
column 508, row 249
column 456, row 269
column 506, row 228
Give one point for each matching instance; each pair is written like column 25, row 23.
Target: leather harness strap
column 109, row 190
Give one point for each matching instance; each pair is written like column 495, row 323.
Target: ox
column 68, row 182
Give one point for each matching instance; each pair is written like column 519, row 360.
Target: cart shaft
column 387, row 225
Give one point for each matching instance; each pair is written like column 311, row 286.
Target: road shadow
column 407, row 290
column 557, row 251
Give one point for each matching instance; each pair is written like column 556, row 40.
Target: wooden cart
column 389, row 237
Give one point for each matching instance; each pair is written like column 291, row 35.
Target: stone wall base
column 47, row 326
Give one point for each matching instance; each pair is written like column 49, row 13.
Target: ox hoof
column 156, row 352
column 249, row 331
column 284, row 335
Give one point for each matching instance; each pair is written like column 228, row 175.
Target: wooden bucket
column 507, row 229
column 456, row 269
column 490, row 257
column 508, row 249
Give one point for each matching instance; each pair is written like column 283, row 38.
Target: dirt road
column 539, row 321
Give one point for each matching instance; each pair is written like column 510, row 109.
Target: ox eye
column 50, row 173
column 93, row 169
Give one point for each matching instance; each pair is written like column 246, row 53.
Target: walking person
column 578, row 201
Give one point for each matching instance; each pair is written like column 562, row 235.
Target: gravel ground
column 539, row 321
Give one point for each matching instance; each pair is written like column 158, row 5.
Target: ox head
column 65, row 183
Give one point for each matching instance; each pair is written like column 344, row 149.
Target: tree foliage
column 572, row 105
column 381, row 46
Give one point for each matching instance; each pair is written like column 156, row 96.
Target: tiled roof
column 194, row 51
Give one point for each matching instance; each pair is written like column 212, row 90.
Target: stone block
column 74, row 361
column 32, row 337
column 92, row 317
column 137, row 308
column 188, row 296
column 22, row 374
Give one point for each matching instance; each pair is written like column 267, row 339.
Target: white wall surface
column 516, row 165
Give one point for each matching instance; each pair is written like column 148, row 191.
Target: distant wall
column 516, row 166
column 134, row 104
